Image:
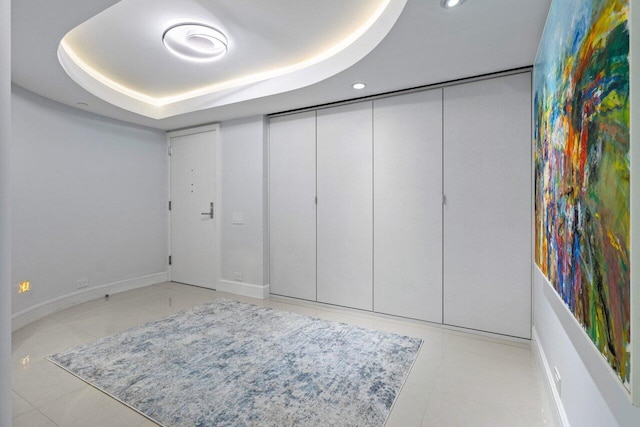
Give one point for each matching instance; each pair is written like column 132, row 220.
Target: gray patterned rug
column 228, row 363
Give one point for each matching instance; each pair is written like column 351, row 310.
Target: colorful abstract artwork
column 582, row 170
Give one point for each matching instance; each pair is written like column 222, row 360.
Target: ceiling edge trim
column 332, row 61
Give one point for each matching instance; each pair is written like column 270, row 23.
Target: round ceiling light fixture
column 195, row 42
column 450, row 4
column 358, row 86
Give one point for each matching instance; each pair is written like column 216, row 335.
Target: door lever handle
column 210, row 213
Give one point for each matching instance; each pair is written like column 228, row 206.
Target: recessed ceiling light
column 82, row 104
column 195, row 42
column 358, row 86
column 448, row 4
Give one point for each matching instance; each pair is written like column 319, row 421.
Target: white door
column 193, row 208
column 345, row 205
column 407, row 152
column 487, row 214
column 292, row 206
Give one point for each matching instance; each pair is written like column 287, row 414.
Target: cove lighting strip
column 66, row 49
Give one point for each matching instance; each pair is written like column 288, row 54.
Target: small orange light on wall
column 24, row 287
column 25, row 362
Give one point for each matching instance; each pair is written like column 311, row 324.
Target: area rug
column 228, row 363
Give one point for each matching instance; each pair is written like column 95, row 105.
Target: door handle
column 210, row 213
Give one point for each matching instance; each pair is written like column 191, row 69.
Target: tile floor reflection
column 459, row 379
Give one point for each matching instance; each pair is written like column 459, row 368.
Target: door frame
column 218, row 206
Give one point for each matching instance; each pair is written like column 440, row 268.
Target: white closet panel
column 407, row 137
column 487, row 215
column 292, row 209
column 345, row 205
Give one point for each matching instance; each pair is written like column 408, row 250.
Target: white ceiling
column 426, row 45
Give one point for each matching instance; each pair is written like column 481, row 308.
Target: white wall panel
column 292, row 208
column 408, row 205
column 345, row 205
column 487, row 215
column 89, row 200
column 243, row 191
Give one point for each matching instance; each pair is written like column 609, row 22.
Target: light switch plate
column 238, row 218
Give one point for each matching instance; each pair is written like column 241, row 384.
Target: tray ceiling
column 426, row 44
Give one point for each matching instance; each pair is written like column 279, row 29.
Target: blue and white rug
column 228, row 363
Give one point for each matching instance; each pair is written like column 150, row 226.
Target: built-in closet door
column 407, row 135
column 292, row 208
column 487, row 214
column 345, row 205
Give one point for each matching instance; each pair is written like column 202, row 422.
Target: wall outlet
column 557, row 379
column 82, row 283
column 237, row 276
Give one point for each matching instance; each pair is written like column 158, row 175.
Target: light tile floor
column 459, row 379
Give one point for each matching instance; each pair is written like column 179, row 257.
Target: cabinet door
column 292, row 209
column 407, row 135
column 487, row 215
column 345, row 206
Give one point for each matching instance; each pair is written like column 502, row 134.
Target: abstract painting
column 582, row 170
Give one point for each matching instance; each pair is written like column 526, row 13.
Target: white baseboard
column 38, row 311
column 559, row 415
column 244, row 289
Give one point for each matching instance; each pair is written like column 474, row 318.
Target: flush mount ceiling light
column 358, row 86
column 449, row 4
column 195, row 42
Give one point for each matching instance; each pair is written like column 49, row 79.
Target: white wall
column 89, row 200
column 243, row 191
column 5, row 211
